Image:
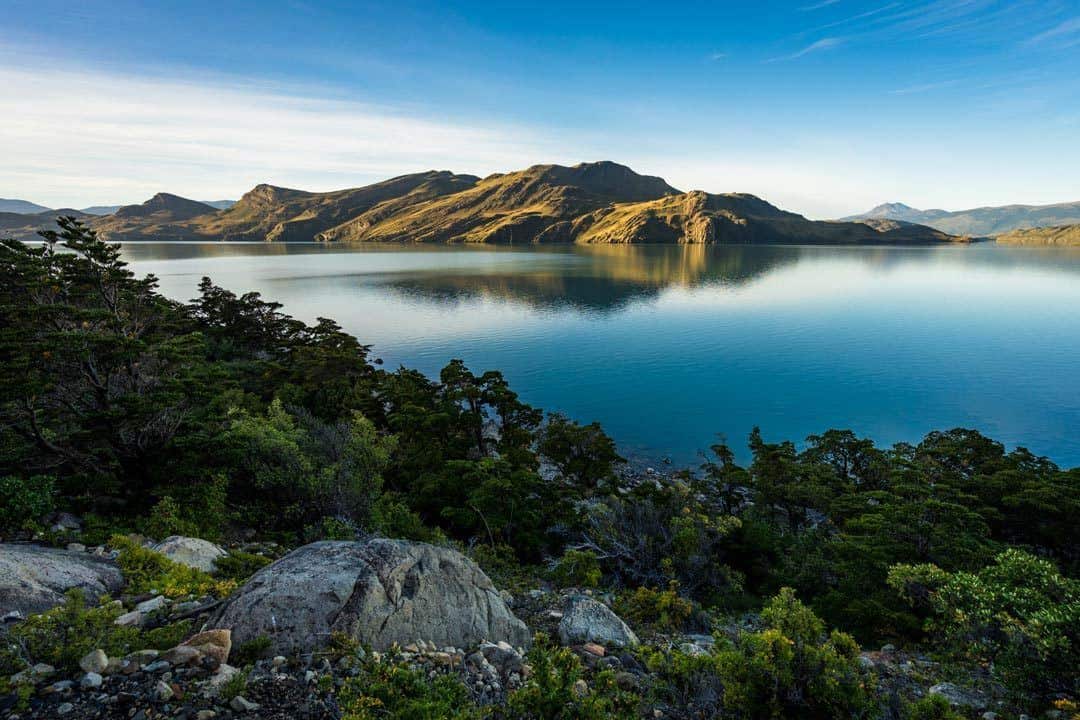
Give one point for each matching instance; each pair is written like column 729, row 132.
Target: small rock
column 580, row 689
column 594, row 649
column 64, row 708
column 212, row 643
column 149, row 606
column 958, row 696
column 242, row 704
column 163, row 691
column 60, row 686
column 94, row 662
column 91, row 680
column 142, row 658
column 182, row 655
column 626, row 680
column 131, row 619
column 157, row 666
column 205, row 715
column 33, row 675
column 76, row 547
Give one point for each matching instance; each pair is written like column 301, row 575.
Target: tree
column 584, row 454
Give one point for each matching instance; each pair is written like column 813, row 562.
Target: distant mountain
column 600, row 202
column 979, row 222
column 21, row 207
column 1054, row 235
column 110, row 209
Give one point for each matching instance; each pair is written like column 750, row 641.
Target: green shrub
column 931, row 707
column 239, row 565
column 792, row 669
column 550, row 693
column 577, row 568
column 63, row 635
column 687, row 681
column 26, row 501
column 145, row 570
column 660, row 610
column 391, row 517
column 392, row 691
column 246, row 653
column 234, row 686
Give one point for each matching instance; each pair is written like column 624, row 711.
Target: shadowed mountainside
column 979, row 222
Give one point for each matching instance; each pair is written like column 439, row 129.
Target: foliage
column 239, row 565
column 1019, row 614
column 234, row 686
column 550, row 694
column 584, row 454
column 793, row 669
column 577, row 568
column 26, row 501
column 147, row 571
column 64, row 635
column 659, row 610
column 931, row 707
column 399, row 692
column 246, row 653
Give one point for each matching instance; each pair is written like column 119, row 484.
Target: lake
column 670, row 347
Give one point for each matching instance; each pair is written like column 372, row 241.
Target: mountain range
column 600, row 202
column 978, row 222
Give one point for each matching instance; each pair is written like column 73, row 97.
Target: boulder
column 587, row 621
column 34, row 578
column 193, row 552
column 960, row 697
column 380, row 592
column 212, row 643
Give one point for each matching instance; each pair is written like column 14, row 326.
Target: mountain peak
column 166, row 206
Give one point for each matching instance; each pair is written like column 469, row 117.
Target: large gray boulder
column 193, row 552
column 586, row 620
column 379, row 591
column 34, row 578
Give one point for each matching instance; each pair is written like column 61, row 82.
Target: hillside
column 601, row 202
column 21, row 207
column 1055, row 235
column 979, row 222
column 26, row 226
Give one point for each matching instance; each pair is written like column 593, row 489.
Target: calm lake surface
column 670, row 346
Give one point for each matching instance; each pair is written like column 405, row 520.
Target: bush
column 166, row 519
column 687, row 681
column 659, row 610
column 239, row 565
column 26, row 501
column 149, row 571
column 931, row 707
column 391, row 691
column 246, row 653
column 577, row 568
column 792, row 669
column 62, row 636
column 549, row 693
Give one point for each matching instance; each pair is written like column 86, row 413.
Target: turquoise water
column 670, row 347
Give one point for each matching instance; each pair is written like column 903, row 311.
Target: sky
column 824, row 107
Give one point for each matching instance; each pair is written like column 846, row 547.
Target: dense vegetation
column 225, row 415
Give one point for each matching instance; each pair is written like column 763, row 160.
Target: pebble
column 242, row 704
column 91, row 680
column 64, row 708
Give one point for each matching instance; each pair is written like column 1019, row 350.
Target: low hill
column 979, row 222
column 1054, row 235
column 21, row 207
column 159, row 218
column 26, row 226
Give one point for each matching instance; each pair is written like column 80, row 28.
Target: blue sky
column 823, row 106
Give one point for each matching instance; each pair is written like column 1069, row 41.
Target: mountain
column 1054, row 235
column 159, row 218
column 979, row 222
column 21, row 207
column 110, row 209
column 600, row 202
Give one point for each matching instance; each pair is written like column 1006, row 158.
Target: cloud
column 926, row 87
column 83, row 137
column 718, row 56
column 819, row 45
column 819, row 5
column 1064, row 30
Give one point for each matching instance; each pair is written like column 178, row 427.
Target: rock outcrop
column 380, row 592
column 193, row 552
column 34, row 578
column 589, row 621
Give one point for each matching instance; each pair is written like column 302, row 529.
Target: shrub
column 792, row 669
column 166, row 519
column 239, row 565
column 246, row 653
column 931, row 707
column 687, row 681
column 660, row 610
column 63, row 635
column 549, row 693
column 26, row 501
column 391, row 691
column 577, row 568
column 146, row 571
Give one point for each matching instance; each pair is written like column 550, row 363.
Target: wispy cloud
column 1067, row 29
column 819, row 5
column 817, row 46
column 718, row 56
column 124, row 137
column 926, row 87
